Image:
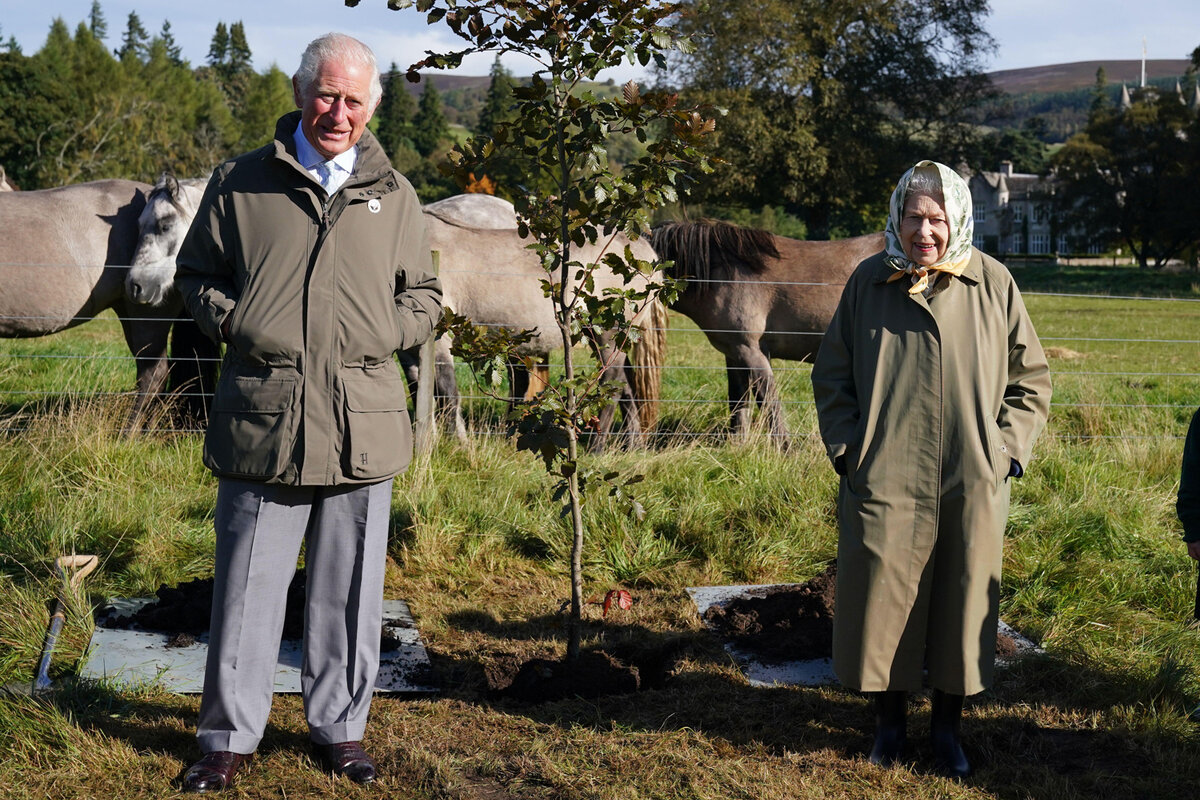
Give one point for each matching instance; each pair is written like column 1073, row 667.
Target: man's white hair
column 341, row 48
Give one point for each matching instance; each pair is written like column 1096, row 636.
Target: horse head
column 164, row 222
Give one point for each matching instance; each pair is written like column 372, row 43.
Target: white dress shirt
column 339, row 167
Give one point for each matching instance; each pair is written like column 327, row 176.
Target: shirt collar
column 309, row 158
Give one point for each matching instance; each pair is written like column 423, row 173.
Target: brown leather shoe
column 349, row 759
column 214, row 772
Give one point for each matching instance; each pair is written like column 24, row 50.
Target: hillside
column 1059, row 95
column 1082, row 74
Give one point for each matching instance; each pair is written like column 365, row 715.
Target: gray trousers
column 259, row 530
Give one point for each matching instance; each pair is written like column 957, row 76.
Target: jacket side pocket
column 251, row 433
column 378, row 441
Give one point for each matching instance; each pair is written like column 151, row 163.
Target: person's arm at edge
column 1187, row 504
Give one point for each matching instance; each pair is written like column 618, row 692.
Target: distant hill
column 1082, row 75
column 1061, row 94
column 446, row 82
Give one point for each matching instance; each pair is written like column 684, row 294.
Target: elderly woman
column 931, row 387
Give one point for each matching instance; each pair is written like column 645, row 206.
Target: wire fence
column 694, row 390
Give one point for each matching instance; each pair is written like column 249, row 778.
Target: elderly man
column 308, row 260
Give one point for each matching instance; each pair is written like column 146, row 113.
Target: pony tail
column 649, row 353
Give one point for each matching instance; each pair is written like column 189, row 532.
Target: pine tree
column 394, row 116
column 57, row 53
column 498, row 105
column 429, row 125
column 96, row 22
column 239, row 50
column 508, row 172
column 218, row 49
column 268, row 97
column 1099, row 94
column 174, row 52
column 135, row 43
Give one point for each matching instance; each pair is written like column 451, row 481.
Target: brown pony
column 758, row 296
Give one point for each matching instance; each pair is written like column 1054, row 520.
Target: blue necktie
column 325, row 175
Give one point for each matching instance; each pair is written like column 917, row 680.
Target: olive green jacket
column 319, row 294
column 928, row 401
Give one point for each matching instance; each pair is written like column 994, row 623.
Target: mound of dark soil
column 183, row 611
column 595, row 674
column 792, row 623
column 782, row 623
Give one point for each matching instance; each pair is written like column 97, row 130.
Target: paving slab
column 129, row 658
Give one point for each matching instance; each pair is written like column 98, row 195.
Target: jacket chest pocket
column 252, row 432
column 378, row 437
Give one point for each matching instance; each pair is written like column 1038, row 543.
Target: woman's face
column 924, row 230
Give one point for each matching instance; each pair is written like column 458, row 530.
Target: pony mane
column 708, row 248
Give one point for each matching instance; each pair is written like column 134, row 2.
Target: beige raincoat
column 929, row 400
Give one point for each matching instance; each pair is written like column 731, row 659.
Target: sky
column 1029, row 33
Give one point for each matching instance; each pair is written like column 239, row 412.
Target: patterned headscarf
column 956, row 198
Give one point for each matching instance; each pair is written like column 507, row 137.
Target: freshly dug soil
column 781, row 623
column 595, row 674
column 792, row 623
column 183, row 611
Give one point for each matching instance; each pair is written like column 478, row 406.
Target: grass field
column 1094, row 572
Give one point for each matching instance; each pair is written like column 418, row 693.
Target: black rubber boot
column 890, row 735
column 948, row 756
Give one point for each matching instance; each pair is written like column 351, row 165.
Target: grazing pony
column 758, row 296
column 65, row 254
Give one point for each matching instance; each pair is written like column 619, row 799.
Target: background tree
column 1022, row 146
column 510, row 173
column 96, row 22
column 394, row 117
column 239, row 60
column 429, row 127
column 829, row 102
column 32, row 101
column 174, row 51
column 267, row 97
column 135, row 42
column 498, row 104
column 1131, row 176
column 1100, row 101
column 218, row 47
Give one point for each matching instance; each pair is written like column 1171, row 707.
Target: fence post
column 426, row 423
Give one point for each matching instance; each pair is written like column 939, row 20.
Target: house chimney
column 1006, row 168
